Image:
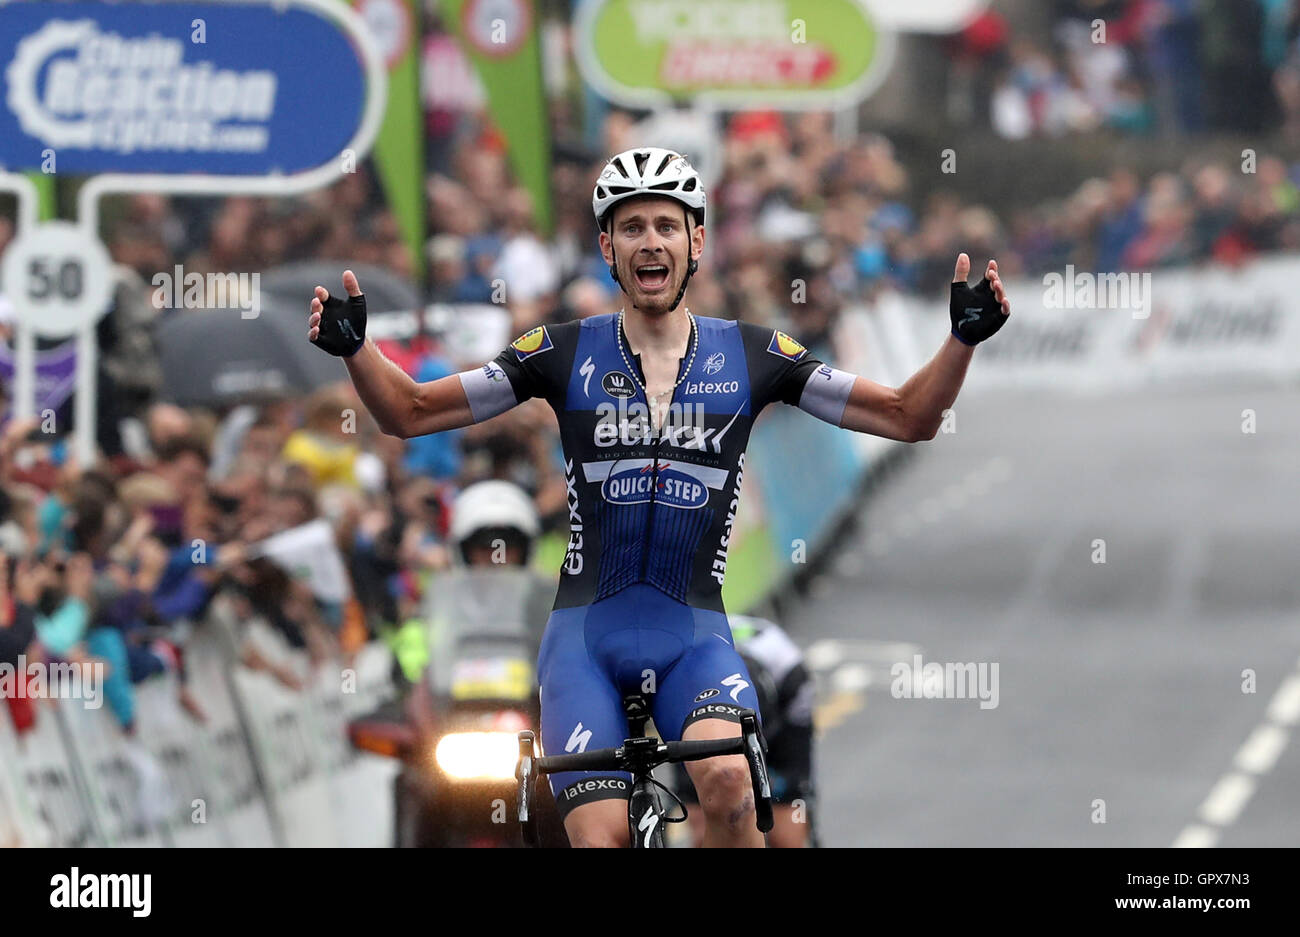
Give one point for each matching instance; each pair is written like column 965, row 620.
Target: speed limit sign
column 59, row 279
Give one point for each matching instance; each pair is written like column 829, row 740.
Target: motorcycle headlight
column 478, row 755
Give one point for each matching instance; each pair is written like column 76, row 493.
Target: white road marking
column 1224, row 803
column 1284, row 708
column 1253, row 760
column 1196, row 837
column 1260, row 751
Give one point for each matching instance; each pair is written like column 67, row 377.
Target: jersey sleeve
column 533, row 365
column 781, row 369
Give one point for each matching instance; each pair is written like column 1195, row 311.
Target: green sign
column 501, row 39
column 732, row 53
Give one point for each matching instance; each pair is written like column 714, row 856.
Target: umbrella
column 215, row 357
column 385, row 291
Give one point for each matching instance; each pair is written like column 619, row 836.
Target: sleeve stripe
column 488, row 391
column 827, row 394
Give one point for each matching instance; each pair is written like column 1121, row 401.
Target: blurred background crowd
column 118, row 560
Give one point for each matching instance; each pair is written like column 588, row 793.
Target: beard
column 658, row 302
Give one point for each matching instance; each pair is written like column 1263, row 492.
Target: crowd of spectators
column 1169, row 67
column 119, row 560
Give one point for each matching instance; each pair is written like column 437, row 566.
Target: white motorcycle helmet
column 491, row 510
column 649, row 170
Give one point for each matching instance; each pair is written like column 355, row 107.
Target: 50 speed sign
column 59, row 278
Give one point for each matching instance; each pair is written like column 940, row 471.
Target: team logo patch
column 531, row 343
column 713, row 364
column 707, row 694
column 633, row 484
column 618, row 384
column 785, row 346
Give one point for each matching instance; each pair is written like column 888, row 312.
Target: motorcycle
column 456, row 732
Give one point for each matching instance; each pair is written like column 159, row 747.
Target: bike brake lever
column 525, row 774
column 757, row 771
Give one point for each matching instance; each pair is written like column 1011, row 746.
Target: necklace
column 653, row 401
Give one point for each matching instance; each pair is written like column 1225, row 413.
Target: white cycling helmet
column 492, row 505
column 648, row 170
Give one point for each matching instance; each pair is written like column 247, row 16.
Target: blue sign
column 193, row 87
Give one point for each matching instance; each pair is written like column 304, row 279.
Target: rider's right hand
column 338, row 326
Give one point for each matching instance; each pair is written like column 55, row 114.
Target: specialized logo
column 714, row 362
column 737, row 683
column 618, row 384
column 785, row 346
column 633, row 483
column 587, row 370
column 578, row 739
column 970, row 314
column 647, row 824
column 707, row 694
column 532, row 342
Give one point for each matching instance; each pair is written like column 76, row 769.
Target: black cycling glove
column 976, row 313
column 343, row 325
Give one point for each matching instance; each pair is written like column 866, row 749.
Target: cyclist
column 785, row 700
column 654, row 407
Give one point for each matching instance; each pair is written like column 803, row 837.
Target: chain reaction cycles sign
column 233, row 88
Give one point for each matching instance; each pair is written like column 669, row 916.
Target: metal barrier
column 269, row 767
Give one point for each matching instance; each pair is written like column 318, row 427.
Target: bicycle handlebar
column 612, row 759
column 646, row 759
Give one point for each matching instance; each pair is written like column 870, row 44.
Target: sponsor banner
column 128, row 794
column 74, row 779
column 501, row 39
column 217, row 88
column 798, row 54
column 1091, row 333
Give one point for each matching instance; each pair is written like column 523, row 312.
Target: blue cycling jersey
column 644, row 505
column 639, row 606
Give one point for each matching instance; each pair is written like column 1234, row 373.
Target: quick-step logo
column 632, row 483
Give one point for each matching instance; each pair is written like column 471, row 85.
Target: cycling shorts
column 637, row 641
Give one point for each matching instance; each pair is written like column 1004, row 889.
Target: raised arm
column 914, row 411
column 399, row 405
